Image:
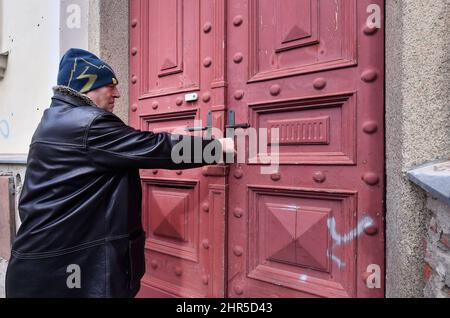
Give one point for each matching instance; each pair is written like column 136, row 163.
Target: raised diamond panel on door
column 169, row 215
column 172, row 217
column 289, row 236
column 298, row 23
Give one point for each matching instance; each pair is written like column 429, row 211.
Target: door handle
column 231, row 122
column 243, row 126
column 207, row 128
column 192, row 129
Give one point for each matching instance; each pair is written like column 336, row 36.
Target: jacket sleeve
column 112, row 144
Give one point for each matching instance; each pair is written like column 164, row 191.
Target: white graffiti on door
column 339, row 239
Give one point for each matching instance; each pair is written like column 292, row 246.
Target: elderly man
column 81, row 201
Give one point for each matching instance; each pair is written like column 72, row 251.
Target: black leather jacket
column 81, row 204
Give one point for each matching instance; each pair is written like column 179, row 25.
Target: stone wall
column 437, row 257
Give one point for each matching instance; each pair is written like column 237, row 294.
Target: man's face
column 104, row 97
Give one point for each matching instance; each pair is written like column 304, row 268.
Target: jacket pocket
column 137, row 260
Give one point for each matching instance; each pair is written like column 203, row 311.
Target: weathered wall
column 417, row 129
column 108, row 38
column 25, row 90
column 437, row 257
column 32, row 67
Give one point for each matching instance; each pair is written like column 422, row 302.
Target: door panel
column 183, row 211
column 171, row 42
column 295, row 37
column 313, row 226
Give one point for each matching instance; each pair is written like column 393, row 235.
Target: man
column 80, row 206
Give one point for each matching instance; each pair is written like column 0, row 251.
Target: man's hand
column 227, row 145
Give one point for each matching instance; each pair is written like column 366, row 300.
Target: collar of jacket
column 70, row 96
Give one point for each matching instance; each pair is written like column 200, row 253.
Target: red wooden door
column 183, row 211
column 313, row 70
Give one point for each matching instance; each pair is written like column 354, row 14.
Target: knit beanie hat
column 83, row 71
